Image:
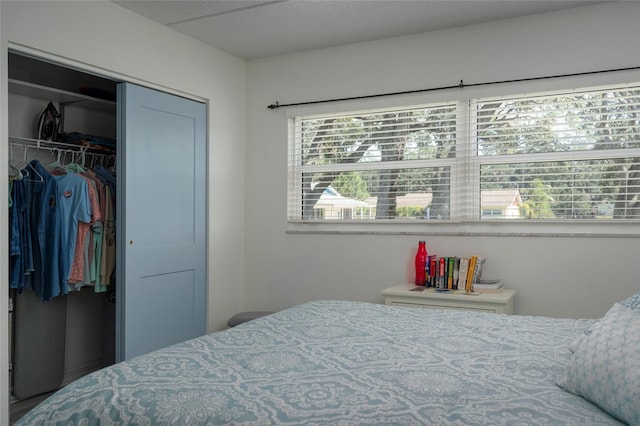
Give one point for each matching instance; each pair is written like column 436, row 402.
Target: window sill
column 498, row 228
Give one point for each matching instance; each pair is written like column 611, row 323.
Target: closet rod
column 40, row 143
column 461, row 85
column 44, row 144
column 62, row 148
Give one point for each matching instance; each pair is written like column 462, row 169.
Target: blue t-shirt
column 73, row 207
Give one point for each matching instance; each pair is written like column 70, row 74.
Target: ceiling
column 253, row 29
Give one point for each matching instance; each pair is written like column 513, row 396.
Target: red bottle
column 421, row 262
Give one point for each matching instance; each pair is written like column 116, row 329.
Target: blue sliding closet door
column 161, row 220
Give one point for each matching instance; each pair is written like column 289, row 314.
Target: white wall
column 107, row 39
column 556, row 276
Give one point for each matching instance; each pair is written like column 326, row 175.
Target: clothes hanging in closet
column 34, row 208
column 62, row 231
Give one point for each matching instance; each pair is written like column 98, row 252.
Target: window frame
column 465, row 170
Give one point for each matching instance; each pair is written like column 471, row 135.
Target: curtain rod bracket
column 274, row 105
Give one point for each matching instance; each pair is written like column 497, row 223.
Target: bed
column 344, row 363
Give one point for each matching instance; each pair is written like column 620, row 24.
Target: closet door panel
column 180, row 300
column 161, row 220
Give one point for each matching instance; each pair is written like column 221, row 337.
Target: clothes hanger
column 112, row 169
column 17, row 166
column 32, row 175
column 92, row 160
column 57, row 165
column 74, row 166
column 14, row 173
column 38, row 177
column 10, row 191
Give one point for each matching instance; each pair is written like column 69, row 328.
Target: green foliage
column 538, row 201
column 410, row 211
column 351, row 185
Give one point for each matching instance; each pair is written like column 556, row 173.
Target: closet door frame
column 4, row 247
column 78, row 65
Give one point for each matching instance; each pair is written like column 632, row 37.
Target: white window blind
column 565, row 155
column 569, row 155
column 373, row 165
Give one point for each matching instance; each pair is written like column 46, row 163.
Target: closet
column 154, row 145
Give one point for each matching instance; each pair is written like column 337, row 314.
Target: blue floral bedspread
column 342, row 363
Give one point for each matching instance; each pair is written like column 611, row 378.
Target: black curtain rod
column 458, row 86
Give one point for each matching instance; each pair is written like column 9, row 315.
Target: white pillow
column 632, row 302
column 578, row 341
column 605, row 368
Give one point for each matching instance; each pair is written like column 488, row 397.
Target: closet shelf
column 57, row 95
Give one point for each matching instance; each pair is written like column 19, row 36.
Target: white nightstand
column 500, row 302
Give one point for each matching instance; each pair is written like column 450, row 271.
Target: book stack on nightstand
column 488, row 286
column 499, row 302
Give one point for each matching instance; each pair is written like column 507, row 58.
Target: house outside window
column 501, row 204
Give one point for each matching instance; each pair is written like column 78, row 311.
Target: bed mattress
column 343, row 363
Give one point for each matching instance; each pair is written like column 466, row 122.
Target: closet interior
column 62, row 270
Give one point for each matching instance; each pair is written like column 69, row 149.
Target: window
column 380, row 165
column 496, row 213
column 570, row 155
